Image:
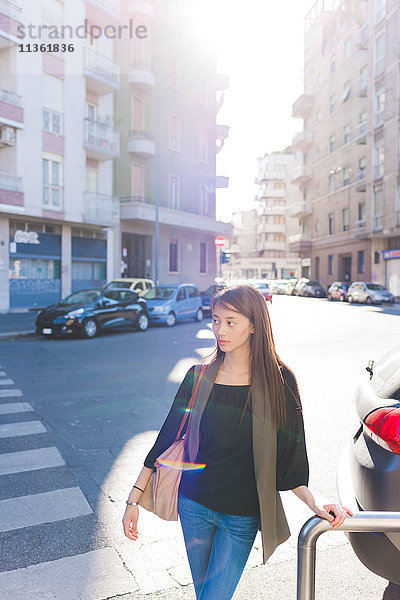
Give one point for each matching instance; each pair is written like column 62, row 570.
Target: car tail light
column 385, row 424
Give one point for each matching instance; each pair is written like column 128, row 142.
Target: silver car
column 370, row 293
column 368, row 475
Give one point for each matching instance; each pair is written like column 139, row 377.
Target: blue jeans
column 217, row 546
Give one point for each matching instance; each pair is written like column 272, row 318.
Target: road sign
column 220, row 241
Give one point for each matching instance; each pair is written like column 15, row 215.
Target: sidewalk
column 17, row 324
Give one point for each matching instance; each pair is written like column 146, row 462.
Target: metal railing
column 10, row 182
column 100, row 208
column 372, row 522
column 10, row 9
column 101, row 137
column 101, row 66
column 10, row 97
column 125, row 200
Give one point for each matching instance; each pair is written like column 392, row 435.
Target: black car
column 87, row 311
column 368, row 476
column 208, row 294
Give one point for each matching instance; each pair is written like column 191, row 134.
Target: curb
column 15, row 334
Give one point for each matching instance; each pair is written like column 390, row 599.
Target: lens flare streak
column 180, row 466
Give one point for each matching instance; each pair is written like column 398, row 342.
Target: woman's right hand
column 129, row 522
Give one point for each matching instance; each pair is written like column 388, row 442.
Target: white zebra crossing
column 10, row 393
column 6, row 382
column 30, row 460
column 15, row 407
column 25, row 428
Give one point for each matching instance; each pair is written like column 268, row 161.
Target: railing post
column 384, row 522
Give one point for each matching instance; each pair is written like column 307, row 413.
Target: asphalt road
column 100, row 403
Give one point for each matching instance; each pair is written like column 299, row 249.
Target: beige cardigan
column 274, row 526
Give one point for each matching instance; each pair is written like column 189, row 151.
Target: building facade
column 260, row 245
column 78, row 149
column 350, row 214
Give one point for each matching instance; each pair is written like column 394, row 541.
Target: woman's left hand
column 340, row 512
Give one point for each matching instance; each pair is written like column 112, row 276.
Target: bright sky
column 260, row 46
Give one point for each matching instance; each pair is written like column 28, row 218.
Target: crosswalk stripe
column 6, row 382
column 10, row 393
column 91, row 576
column 26, row 511
column 30, row 460
column 23, row 428
column 16, row 407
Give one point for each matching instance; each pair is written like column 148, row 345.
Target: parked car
column 277, row 285
column 208, row 294
column 368, row 292
column 312, row 289
column 263, row 287
column 171, row 303
column 299, row 285
column 368, row 475
column 86, row 312
column 290, row 287
column 137, row 284
column 338, row 291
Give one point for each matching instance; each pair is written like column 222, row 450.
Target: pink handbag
column 160, row 495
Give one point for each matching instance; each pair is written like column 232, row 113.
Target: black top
column 227, row 483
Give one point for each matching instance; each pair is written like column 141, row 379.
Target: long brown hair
column 265, row 364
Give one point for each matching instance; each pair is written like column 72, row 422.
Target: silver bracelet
column 132, row 503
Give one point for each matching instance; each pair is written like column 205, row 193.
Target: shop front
column 35, row 273
column 392, row 271
column 89, row 258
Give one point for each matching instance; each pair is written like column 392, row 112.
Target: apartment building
column 167, row 105
column 350, row 213
column 78, row 130
column 260, row 244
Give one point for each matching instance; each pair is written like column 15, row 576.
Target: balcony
column 272, row 209
column 362, row 132
column 303, row 105
column 11, row 190
column 363, row 37
column 141, row 75
column 100, row 209
column 142, row 7
column 271, row 228
column 298, row 243
column 300, row 209
column 10, row 19
column 270, row 245
column 361, row 223
column 271, row 174
column 269, row 192
column 101, row 10
column 361, row 177
column 101, row 140
column 301, row 175
column 222, row 132
column 139, row 208
column 221, row 181
column 11, row 111
column 141, row 143
column 379, row 170
column 102, row 74
column 302, row 141
column 362, row 87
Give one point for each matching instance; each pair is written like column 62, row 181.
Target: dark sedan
column 88, row 311
column 369, row 469
column 208, row 294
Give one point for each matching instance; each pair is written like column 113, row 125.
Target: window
column 346, row 92
column 137, row 116
column 332, row 104
column 378, row 208
column 92, row 180
column 174, row 72
column 361, row 214
column 363, row 79
column 193, row 292
column 91, row 111
column 174, row 134
column 361, row 261
column 377, row 257
column 137, row 185
column 330, row 264
column 380, row 106
column 331, row 182
column 362, row 167
column 346, row 134
column 173, row 256
column 347, row 49
column 316, row 262
column 203, row 147
column 203, row 257
column 332, row 141
column 333, row 63
column 331, row 223
column 346, row 219
column 181, row 294
column 52, row 121
column 203, row 208
column 379, row 167
column 52, row 183
column 173, row 193
column 346, row 175
column 380, row 54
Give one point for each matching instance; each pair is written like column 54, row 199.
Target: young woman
column 246, row 437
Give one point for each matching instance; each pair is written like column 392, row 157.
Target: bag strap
column 199, row 370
